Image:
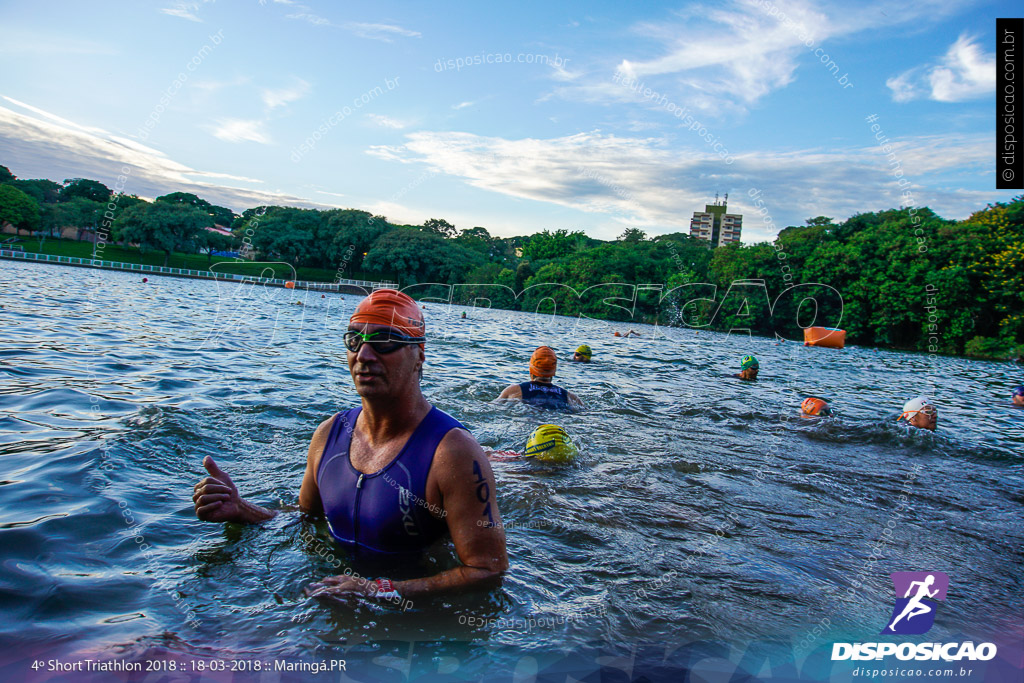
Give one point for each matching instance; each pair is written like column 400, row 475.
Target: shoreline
column 346, row 287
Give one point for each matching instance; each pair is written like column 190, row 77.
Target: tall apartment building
column 715, row 225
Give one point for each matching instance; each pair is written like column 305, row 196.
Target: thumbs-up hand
column 216, row 497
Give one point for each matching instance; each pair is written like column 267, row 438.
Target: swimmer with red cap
column 392, row 476
column 540, row 391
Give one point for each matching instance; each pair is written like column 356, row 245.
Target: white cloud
column 372, row 31
column 386, row 121
column 183, row 10
column 283, row 96
column 310, row 18
column 240, row 130
column 964, row 73
column 641, row 181
column 382, row 32
column 463, row 105
column 47, row 147
column 723, row 58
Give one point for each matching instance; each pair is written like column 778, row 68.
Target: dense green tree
column 5, row 175
column 548, row 245
column 163, row 226
column 439, row 226
column 633, row 235
column 18, row 209
column 86, row 189
column 42, row 190
column 79, row 213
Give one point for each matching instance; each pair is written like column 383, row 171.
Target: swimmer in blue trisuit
column 392, row 476
column 540, row 391
column 1018, row 396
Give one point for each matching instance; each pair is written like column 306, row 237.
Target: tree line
column 899, row 278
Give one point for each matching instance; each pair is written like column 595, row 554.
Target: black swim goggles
column 384, row 341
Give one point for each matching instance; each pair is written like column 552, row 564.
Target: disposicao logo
column 914, row 613
column 917, row 594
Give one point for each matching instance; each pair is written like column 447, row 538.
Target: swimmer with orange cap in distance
column 392, row 476
column 540, row 391
column 814, row 406
column 920, row 412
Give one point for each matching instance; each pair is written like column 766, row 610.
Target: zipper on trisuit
column 355, row 514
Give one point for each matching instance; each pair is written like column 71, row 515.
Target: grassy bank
column 113, row 252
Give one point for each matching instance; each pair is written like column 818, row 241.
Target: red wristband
column 386, row 589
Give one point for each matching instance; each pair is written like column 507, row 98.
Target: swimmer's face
column 1018, row 400
column 384, row 374
column 749, row 373
column 926, row 418
column 580, row 358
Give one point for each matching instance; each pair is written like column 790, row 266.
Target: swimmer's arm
column 469, row 498
column 512, row 391
column 216, row 499
column 309, row 492
column 574, row 400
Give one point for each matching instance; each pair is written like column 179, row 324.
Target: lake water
column 703, row 520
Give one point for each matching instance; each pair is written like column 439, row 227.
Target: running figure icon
column 916, row 593
column 915, row 607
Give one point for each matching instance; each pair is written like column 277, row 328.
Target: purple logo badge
column 916, row 593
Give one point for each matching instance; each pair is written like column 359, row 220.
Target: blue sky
column 588, row 127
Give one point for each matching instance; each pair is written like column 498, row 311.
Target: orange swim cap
column 543, row 362
column 815, row 406
column 392, row 308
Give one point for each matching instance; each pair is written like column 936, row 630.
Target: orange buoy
column 289, row 285
column 829, row 337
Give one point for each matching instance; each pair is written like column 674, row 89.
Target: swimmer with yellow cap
column 920, row 412
column 748, row 368
column 551, row 443
column 814, row 406
column 582, row 354
column 547, row 443
column 540, row 391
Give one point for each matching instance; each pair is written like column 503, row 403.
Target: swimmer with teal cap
column 748, row 368
column 1018, row 396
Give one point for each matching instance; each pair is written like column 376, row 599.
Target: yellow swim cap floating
column 551, row 443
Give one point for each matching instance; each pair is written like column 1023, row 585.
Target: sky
column 518, row 117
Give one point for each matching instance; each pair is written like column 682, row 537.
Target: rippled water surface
column 702, row 507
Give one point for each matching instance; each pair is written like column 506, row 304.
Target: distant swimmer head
column 543, row 362
column 749, row 367
column 582, row 354
column 812, row 405
column 551, row 443
column 392, row 308
column 1018, row 396
column 920, row 412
